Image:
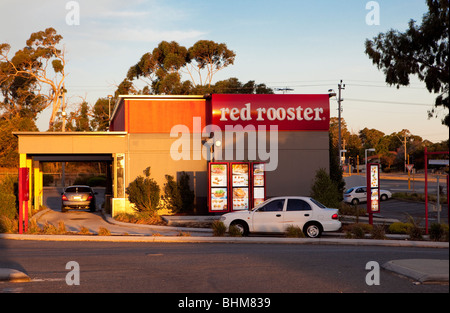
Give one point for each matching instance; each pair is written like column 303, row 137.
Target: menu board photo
column 258, row 184
column 218, row 187
column 373, row 176
column 219, row 199
column 240, row 180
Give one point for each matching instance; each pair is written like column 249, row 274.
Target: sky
column 308, row 46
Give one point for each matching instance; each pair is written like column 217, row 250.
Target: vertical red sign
column 24, row 196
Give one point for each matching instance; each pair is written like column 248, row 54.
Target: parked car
column 276, row 214
column 358, row 194
column 78, row 197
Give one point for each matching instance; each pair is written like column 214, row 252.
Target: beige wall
column 78, row 143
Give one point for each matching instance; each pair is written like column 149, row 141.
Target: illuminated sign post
column 373, row 190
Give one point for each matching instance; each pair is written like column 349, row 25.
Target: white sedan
column 358, row 194
column 276, row 214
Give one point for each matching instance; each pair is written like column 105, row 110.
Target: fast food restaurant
column 238, row 149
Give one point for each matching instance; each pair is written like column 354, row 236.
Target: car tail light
column 64, row 197
column 89, row 198
column 334, row 216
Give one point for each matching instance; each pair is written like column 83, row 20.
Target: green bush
column 294, row 232
column 325, row 190
column 218, row 228
column 172, row 195
column 358, row 230
column 234, row 231
column 378, row 232
column 415, row 232
column 438, row 232
column 399, row 228
column 8, row 200
column 144, row 193
column 97, row 181
column 186, row 193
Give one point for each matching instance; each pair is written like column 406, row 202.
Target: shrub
column 8, row 225
column 399, row 228
column 294, row 232
column 438, row 232
column 358, row 230
column 378, row 232
column 415, row 232
column 186, row 193
column 325, row 190
column 233, row 231
column 8, row 201
column 218, row 228
column 102, row 231
column 144, row 192
column 172, row 196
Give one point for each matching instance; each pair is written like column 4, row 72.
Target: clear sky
column 308, row 46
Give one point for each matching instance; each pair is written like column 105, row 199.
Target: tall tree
column 422, row 50
column 210, row 56
column 35, row 75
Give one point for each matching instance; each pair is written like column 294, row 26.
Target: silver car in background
column 78, row 197
column 358, row 194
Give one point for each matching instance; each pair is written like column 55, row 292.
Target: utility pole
column 63, row 109
column 340, row 87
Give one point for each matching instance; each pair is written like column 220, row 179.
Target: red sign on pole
column 24, row 196
column 409, row 167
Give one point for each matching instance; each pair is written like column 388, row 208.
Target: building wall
column 154, row 150
column 292, row 164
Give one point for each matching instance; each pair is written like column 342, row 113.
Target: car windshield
column 349, row 190
column 320, row 205
column 78, row 189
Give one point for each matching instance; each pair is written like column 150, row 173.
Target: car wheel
column 355, row 201
column 313, row 230
column 63, row 209
column 383, row 197
column 241, row 226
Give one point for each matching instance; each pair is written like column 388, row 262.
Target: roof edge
column 28, row 133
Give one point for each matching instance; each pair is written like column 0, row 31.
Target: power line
column 388, row 102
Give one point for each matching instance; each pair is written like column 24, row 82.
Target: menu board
column 373, row 176
column 240, row 181
column 218, row 187
column 259, row 182
column 373, row 186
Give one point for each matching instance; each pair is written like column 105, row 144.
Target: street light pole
column 340, row 87
column 365, row 152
